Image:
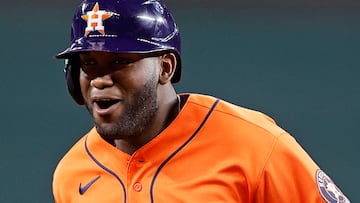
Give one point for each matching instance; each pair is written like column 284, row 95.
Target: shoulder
column 71, row 157
column 235, row 117
column 241, row 131
column 65, row 171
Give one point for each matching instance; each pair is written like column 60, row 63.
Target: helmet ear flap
column 72, row 73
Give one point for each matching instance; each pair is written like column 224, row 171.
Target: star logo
column 95, row 20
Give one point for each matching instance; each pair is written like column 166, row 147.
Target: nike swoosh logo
column 82, row 190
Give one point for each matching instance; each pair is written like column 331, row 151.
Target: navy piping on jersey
column 105, row 168
column 180, row 148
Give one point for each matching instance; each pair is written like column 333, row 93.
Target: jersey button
column 137, row 187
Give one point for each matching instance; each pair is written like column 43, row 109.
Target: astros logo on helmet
column 94, row 19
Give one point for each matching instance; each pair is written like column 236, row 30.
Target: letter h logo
column 95, row 19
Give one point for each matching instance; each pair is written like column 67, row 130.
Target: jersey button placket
column 137, row 187
column 134, row 165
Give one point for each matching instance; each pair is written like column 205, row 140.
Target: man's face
column 120, row 92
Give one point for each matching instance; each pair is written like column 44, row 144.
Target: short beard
column 136, row 116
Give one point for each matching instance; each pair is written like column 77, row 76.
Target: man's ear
column 168, row 66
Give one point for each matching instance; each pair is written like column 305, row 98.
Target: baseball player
column 150, row 144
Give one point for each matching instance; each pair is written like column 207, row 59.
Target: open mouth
column 105, row 104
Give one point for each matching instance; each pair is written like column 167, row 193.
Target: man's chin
column 106, row 131
column 111, row 131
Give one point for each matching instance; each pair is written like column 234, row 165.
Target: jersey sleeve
column 290, row 175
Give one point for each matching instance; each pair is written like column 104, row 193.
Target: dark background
column 297, row 61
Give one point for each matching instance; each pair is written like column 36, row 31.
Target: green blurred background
column 297, row 61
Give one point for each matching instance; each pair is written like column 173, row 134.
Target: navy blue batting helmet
column 119, row 26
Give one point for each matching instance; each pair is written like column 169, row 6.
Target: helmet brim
column 115, row 45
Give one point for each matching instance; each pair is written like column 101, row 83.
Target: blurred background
column 297, row 61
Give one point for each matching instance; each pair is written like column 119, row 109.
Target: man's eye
column 87, row 66
column 122, row 61
column 87, row 63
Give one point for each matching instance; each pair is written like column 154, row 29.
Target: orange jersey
column 213, row 151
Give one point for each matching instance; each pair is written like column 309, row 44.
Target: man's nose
column 102, row 82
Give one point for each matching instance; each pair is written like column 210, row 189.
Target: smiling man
column 121, row 93
column 150, row 144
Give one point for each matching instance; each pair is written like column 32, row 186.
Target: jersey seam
column 247, row 121
column 273, row 146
